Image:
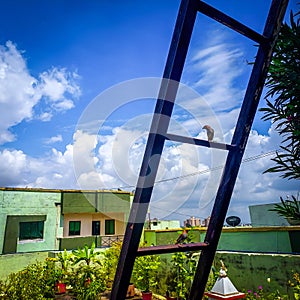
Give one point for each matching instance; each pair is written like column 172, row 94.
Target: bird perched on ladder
column 182, row 237
column 209, row 131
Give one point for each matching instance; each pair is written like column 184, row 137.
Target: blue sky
column 61, row 62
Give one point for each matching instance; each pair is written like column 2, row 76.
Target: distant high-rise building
column 192, row 221
column 206, row 222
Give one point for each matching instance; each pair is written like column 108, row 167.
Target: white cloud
column 83, row 152
column 45, row 116
column 58, row 86
column 17, row 92
column 12, row 167
column 53, row 170
column 214, row 70
column 54, row 139
column 23, row 97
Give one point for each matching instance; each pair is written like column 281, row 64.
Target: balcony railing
column 108, row 240
column 70, row 243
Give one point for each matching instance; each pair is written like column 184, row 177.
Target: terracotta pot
column 61, row 288
column 147, row 295
column 130, row 291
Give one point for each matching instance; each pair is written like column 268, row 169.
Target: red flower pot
column 147, row 295
column 61, row 288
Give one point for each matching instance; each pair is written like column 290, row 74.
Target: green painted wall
column 74, row 243
column 247, row 271
column 258, row 241
column 167, row 237
column 18, row 203
column 101, row 201
column 10, row 263
column 267, row 239
column 149, row 238
column 113, row 202
column 78, row 202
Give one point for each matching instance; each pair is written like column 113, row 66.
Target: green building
column 44, row 220
column 93, row 216
column 29, row 219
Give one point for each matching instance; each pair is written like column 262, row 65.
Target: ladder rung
column 170, row 248
column 199, row 142
column 231, row 23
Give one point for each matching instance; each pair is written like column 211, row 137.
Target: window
column 74, row 227
column 96, row 228
column 109, row 226
column 31, row 230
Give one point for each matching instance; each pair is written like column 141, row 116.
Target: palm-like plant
column 85, row 254
column 283, row 87
column 88, row 256
column 289, row 209
column 65, row 259
column 87, row 280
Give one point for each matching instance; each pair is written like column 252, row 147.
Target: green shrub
column 110, row 262
column 35, row 282
column 144, row 272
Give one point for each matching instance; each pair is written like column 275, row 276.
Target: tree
column 283, row 83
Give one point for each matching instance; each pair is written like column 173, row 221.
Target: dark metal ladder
column 159, row 134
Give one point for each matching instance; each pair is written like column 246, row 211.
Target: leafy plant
column 284, row 87
column 295, row 285
column 86, row 254
column 51, row 274
column 88, row 278
column 289, row 209
column 85, row 257
column 145, row 271
column 85, row 287
column 35, row 282
column 82, row 271
column 183, row 267
column 65, row 260
column 3, row 288
column 110, row 262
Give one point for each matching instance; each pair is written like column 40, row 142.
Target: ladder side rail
column 240, row 137
column 228, row 21
column 163, row 110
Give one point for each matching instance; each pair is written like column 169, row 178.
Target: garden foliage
column 283, row 98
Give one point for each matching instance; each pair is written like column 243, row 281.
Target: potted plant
column 168, row 297
column 64, row 258
column 290, row 209
column 88, row 279
column 180, row 277
column 144, row 274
